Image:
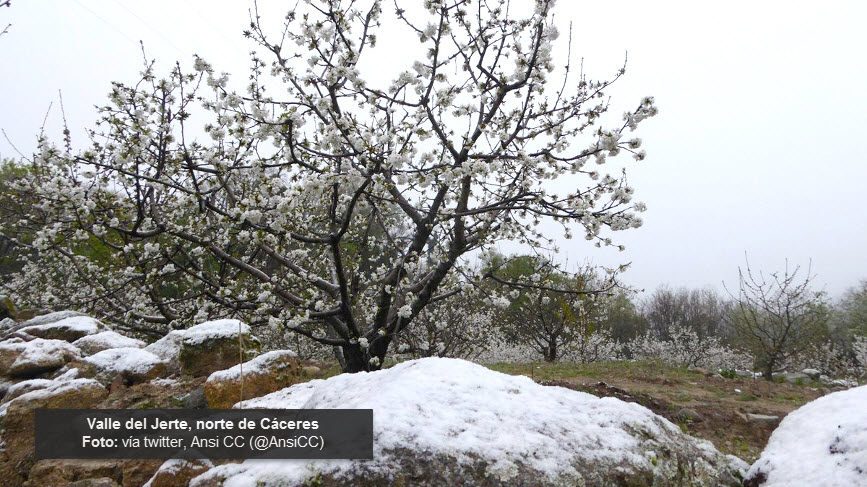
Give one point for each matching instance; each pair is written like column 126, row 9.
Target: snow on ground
column 259, row 365
column 454, row 407
column 81, row 324
column 169, row 346
column 129, row 360
column 823, row 443
column 106, row 340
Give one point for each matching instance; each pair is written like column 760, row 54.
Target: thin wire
column 213, row 26
column 169, row 41
column 106, row 22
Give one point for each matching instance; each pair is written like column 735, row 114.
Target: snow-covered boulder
column 105, row 340
column 206, row 348
column 68, row 329
column 266, row 373
column 132, row 364
column 443, row 421
column 50, row 318
column 18, row 422
column 19, row 358
column 23, row 387
column 823, row 443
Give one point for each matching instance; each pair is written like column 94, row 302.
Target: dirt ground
column 722, row 404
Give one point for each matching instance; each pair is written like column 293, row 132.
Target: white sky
column 759, row 146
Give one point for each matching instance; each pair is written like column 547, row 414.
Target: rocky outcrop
column 266, row 373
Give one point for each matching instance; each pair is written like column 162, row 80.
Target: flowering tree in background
column 778, row 317
column 331, row 207
column 553, row 312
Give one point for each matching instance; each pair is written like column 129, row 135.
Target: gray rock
column 791, row 377
column 812, row 373
column 763, row 420
column 690, row 415
column 195, row 399
column 100, row 482
column 6, row 325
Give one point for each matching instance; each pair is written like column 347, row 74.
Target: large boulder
column 131, row 364
column 19, row 358
column 450, row 422
column 266, row 373
column 67, row 329
column 206, row 348
column 823, row 443
column 105, row 340
column 18, row 422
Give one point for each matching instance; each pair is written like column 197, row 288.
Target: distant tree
column 852, row 310
column 700, row 310
column 16, row 206
column 551, row 311
column 777, row 317
column 333, row 206
column 622, row 317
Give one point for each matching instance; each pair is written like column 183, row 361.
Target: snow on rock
column 259, row 365
column 19, row 358
column 50, row 318
column 216, row 329
column 132, row 363
column 451, row 422
column 105, row 340
column 823, row 443
column 69, row 329
column 206, row 348
column 169, row 346
column 19, row 419
column 266, row 373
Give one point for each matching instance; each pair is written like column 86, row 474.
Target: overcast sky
column 760, row 145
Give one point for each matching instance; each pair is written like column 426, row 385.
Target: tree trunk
column 551, row 351
column 354, row 359
column 768, row 369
